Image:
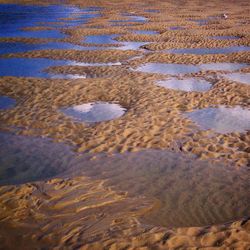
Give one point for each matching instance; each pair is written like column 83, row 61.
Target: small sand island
column 124, row 125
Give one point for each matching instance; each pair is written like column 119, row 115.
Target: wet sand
column 90, row 211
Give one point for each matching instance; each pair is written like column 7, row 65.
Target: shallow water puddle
column 15, row 17
column 238, row 77
column 130, row 45
column 152, row 11
column 223, row 66
column 206, row 51
column 224, row 37
column 129, row 18
column 191, row 192
column 222, row 120
column 95, row 112
column 176, row 28
column 110, row 39
column 175, row 69
column 189, row 84
column 145, row 32
column 6, row 102
column 6, row 48
column 35, row 67
column 167, row 68
column 101, row 39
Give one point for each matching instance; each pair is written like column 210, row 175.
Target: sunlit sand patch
column 222, row 119
column 6, row 102
column 95, row 112
column 188, row 85
column 238, row 77
column 206, row 51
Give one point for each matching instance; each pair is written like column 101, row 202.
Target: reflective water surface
column 223, row 66
column 14, row 18
column 6, row 102
column 224, row 37
column 238, row 77
column 190, row 192
column 206, row 51
column 189, row 84
column 95, row 112
column 167, row 68
column 176, row 28
column 145, row 32
column 15, row 47
column 101, row 39
column 222, row 119
column 36, row 67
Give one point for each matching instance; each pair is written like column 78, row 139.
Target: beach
column 127, row 125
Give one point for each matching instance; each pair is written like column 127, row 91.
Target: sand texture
column 84, row 214
column 95, row 210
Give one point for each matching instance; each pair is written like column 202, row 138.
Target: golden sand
column 81, row 213
column 84, row 214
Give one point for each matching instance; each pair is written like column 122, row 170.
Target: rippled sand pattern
column 197, row 201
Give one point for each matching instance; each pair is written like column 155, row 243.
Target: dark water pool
column 6, row 102
column 36, row 67
column 15, row 17
column 16, row 47
column 191, row 192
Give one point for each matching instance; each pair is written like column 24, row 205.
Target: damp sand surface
column 181, row 185
column 207, row 51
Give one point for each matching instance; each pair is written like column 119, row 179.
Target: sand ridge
column 83, row 213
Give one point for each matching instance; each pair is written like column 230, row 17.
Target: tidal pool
column 6, row 102
column 109, row 39
column 176, row 28
column 95, row 112
column 238, row 77
column 224, row 37
column 15, row 17
column 15, row 47
column 191, row 192
column 222, row 119
column 36, row 67
column 167, row 68
column 188, row 85
column 145, row 32
column 129, row 18
column 206, row 51
column 101, row 39
column 223, row 66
